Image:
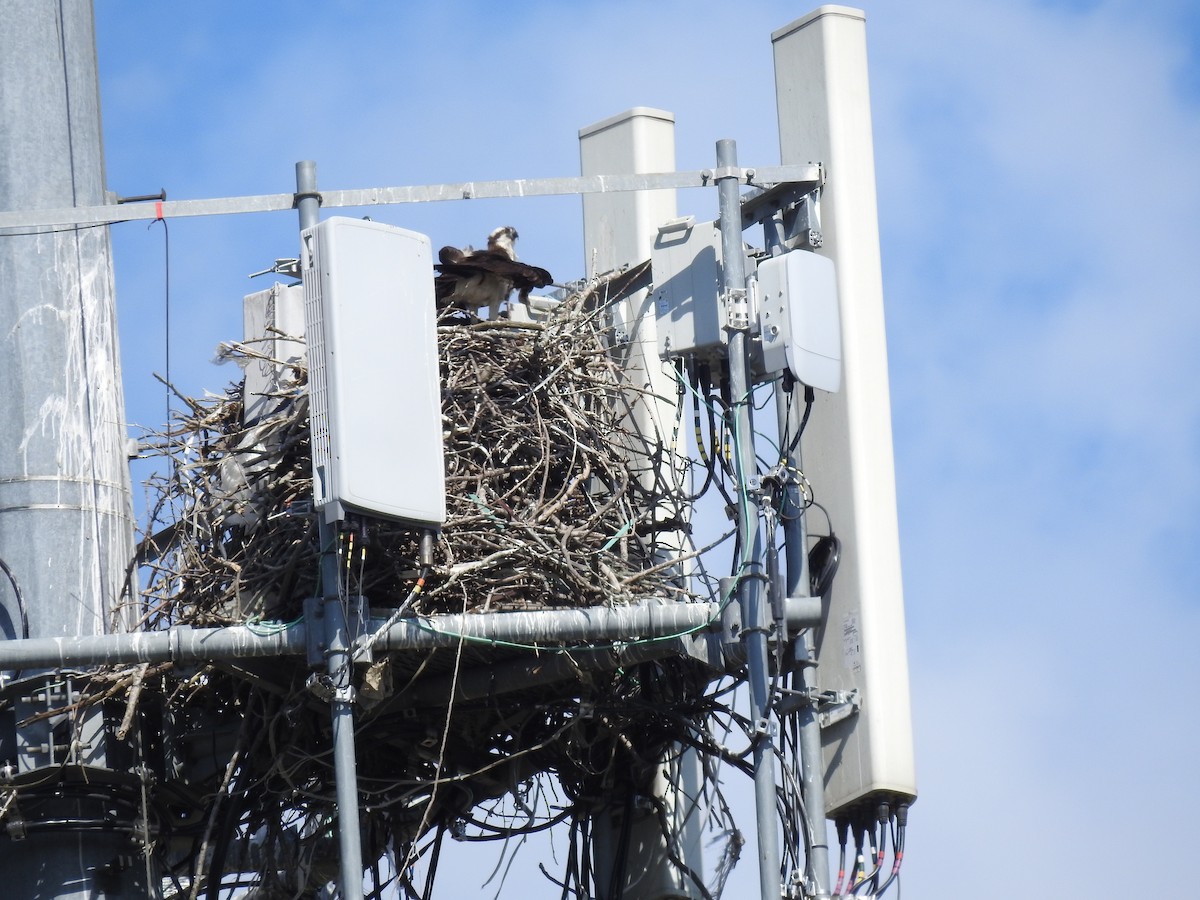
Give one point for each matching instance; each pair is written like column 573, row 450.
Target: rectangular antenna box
column 374, row 387
column 272, row 323
column 798, row 319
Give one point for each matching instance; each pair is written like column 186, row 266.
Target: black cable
column 705, row 459
column 431, row 873
column 231, row 815
column 883, row 815
column 766, row 399
column 878, row 851
column 572, row 860
column 616, row 884
column 898, row 843
column 65, row 229
column 823, row 561
column 586, row 863
column 500, row 833
column 717, row 455
column 24, row 613
column 843, row 833
column 809, row 397
column 166, row 309
column 859, row 838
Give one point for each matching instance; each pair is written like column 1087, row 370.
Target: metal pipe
column 307, row 199
column 337, row 634
column 345, row 764
column 551, row 627
column 177, row 645
column 812, row 770
column 755, row 612
column 34, row 216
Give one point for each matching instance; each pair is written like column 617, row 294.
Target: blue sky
column 1038, row 195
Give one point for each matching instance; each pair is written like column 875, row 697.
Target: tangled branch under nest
column 542, row 509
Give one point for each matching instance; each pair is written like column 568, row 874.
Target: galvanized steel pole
column 795, row 533
column 751, row 578
column 337, row 632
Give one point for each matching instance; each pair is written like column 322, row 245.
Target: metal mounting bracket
column 737, row 310
column 835, row 706
column 832, row 706
column 317, row 642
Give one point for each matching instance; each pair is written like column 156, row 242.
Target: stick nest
column 543, row 490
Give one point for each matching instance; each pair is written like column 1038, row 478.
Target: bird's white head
column 504, row 238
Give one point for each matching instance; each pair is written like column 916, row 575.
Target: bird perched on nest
column 469, row 279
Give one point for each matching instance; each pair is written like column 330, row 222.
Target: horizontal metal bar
column 177, row 645
column 110, row 214
column 463, row 190
column 545, row 629
column 622, row 623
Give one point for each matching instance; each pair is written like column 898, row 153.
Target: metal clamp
column 743, row 175
column 737, row 310
column 300, row 196
column 836, row 706
column 321, row 687
column 832, row 706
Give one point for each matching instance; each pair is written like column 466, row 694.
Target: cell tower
column 487, row 612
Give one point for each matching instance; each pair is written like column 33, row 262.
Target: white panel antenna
column 376, row 418
column 824, row 115
column 273, row 326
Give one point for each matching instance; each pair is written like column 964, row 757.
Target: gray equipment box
column 686, row 262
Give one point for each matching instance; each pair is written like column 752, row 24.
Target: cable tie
column 158, row 216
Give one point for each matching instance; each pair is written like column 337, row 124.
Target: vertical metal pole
column 345, row 767
column 66, row 523
column 754, row 605
column 795, row 533
column 337, row 632
column 308, row 201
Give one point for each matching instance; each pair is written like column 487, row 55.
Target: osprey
column 469, row 279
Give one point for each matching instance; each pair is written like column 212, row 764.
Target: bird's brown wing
column 530, row 277
column 495, row 262
column 450, row 254
column 493, row 267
